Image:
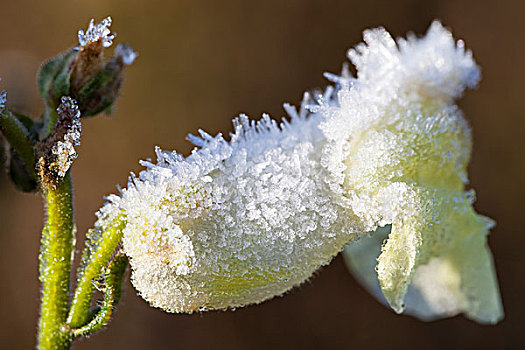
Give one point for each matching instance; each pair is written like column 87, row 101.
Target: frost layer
column 236, row 222
column 239, row 222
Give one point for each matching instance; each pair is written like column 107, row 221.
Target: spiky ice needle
column 96, row 32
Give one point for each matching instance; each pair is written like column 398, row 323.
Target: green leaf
column 33, row 126
column 101, row 91
column 19, row 137
column 19, row 173
column 50, row 70
column 61, row 82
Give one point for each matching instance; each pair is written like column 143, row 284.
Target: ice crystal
column 96, row 32
column 3, row 99
column 239, row 222
column 126, row 53
column 64, row 149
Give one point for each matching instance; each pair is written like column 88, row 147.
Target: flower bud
column 102, row 90
column 83, row 74
column 57, row 151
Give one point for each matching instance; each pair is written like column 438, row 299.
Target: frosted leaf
column 3, row 99
column 126, row 53
column 240, row 221
column 96, row 32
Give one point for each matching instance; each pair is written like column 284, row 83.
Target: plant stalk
column 96, row 258
column 113, row 285
column 57, row 247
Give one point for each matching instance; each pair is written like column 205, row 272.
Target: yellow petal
column 434, row 263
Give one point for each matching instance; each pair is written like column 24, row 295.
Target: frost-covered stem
column 113, row 281
column 18, row 137
column 94, row 261
column 57, row 246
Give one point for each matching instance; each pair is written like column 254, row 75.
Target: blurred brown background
column 203, row 62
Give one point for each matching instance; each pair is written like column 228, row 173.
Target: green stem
column 113, row 285
column 57, row 247
column 97, row 254
column 18, row 137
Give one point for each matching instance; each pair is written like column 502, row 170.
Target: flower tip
column 97, row 32
column 126, row 53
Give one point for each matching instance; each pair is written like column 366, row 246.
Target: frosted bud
column 90, row 57
column 83, row 72
column 57, row 152
column 94, row 82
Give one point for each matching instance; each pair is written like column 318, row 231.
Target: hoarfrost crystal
column 239, row 222
column 65, row 149
column 96, row 32
column 3, row 99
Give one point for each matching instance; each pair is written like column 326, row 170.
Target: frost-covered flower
column 240, row 221
column 405, row 160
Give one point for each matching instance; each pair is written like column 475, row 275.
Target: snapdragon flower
column 238, row 222
column 407, row 169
